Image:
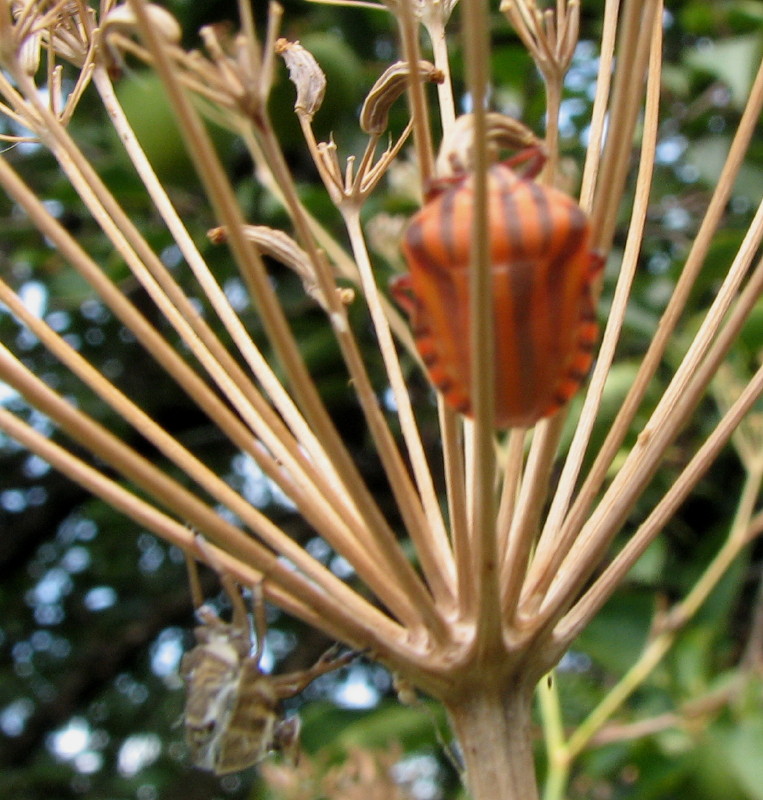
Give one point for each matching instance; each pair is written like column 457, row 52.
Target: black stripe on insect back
column 512, row 222
column 447, row 228
column 562, row 253
column 521, row 280
column 543, row 217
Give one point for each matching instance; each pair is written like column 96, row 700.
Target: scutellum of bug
column 232, row 716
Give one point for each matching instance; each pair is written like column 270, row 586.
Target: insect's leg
column 286, row 738
column 294, row 682
column 401, row 289
column 596, row 262
column 239, row 620
column 531, row 159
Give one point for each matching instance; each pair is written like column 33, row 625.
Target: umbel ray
column 232, row 715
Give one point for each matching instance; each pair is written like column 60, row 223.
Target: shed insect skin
column 232, row 715
column 543, row 270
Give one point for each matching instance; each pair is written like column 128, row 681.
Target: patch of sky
column 76, row 559
column 171, row 256
column 569, row 109
column 95, row 336
column 54, row 585
column 136, row 753
column 166, row 652
column 420, row 775
column 255, row 486
column 76, row 529
column 575, row 661
column 356, row 690
column 34, row 296
column 133, row 690
column 236, row 294
column 13, row 501
column 676, row 218
column 670, row 149
column 35, row 467
column 341, row 567
column 99, row 598
column 14, row 716
column 77, row 744
column 94, row 311
column 319, row 549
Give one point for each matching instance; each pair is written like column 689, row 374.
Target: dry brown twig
column 499, row 590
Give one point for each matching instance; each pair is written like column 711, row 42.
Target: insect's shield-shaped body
column 231, row 712
column 232, row 715
column 542, row 270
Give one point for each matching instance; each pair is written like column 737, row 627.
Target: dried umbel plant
column 509, row 571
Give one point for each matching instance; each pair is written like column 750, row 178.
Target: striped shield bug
column 542, row 273
column 232, row 716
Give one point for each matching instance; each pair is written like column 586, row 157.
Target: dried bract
column 281, row 247
column 503, row 133
column 66, row 26
column 305, row 74
column 374, row 116
column 122, row 19
column 425, row 10
column 550, row 35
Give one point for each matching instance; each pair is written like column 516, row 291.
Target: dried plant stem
column 637, row 30
column 410, row 503
column 670, row 624
column 221, row 195
column 493, row 727
column 191, row 466
column 511, row 467
column 692, row 377
column 522, row 533
column 422, row 137
column 631, row 56
column 150, row 517
column 432, row 542
column 484, row 556
column 271, row 431
column 435, row 25
column 623, row 421
column 549, row 540
column 172, row 362
column 603, row 587
column 181, row 501
column 455, row 487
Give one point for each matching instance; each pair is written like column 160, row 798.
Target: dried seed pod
column 281, row 247
column 374, row 116
column 305, row 74
column 122, row 19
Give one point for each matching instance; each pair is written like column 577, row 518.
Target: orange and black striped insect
column 543, row 269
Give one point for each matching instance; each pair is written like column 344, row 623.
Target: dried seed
column 374, row 115
column 305, row 74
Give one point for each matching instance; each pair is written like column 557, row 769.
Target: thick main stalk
column 493, row 727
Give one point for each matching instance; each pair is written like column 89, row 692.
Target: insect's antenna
column 260, row 620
